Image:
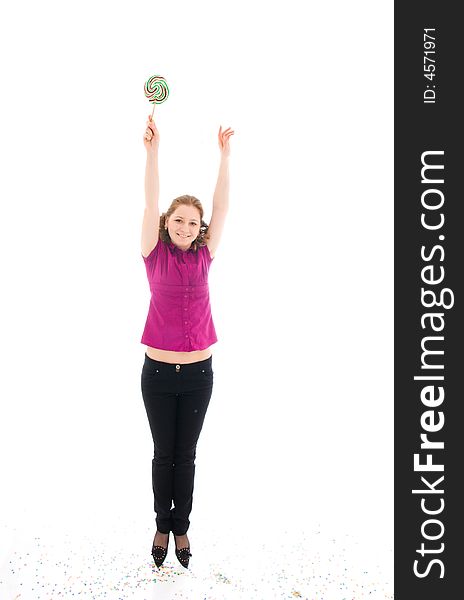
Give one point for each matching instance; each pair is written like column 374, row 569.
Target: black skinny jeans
column 176, row 398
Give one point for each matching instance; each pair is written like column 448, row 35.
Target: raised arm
column 150, row 224
column 221, row 194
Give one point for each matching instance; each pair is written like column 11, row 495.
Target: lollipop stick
column 153, row 110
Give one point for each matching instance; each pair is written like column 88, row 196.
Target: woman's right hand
column 151, row 136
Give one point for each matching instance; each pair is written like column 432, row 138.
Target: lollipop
column 156, row 90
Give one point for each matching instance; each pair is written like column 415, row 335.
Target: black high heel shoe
column 183, row 554
column 159, row 553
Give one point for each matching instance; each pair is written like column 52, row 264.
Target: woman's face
column 184, row 226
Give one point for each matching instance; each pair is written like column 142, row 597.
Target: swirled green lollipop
column 156, row 90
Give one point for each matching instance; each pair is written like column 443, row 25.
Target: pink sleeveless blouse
column 179, row 317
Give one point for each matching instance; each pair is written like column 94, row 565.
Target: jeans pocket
column 207, row 373
column 150, row 373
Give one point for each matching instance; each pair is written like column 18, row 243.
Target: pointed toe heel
column 159, row 553
column 183, row 555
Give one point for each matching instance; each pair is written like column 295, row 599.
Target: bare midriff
column 181, row 358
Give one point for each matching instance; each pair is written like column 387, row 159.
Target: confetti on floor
column 115, row 563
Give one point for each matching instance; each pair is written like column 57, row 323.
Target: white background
column 300, row 425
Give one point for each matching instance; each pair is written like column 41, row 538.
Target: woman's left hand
column 224, row 136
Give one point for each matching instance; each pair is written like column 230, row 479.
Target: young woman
column 177, row 376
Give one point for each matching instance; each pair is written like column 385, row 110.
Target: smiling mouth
column 183, row 236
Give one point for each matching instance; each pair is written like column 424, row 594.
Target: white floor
column 101, row 557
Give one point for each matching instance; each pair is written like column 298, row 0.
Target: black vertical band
column 429, row 252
